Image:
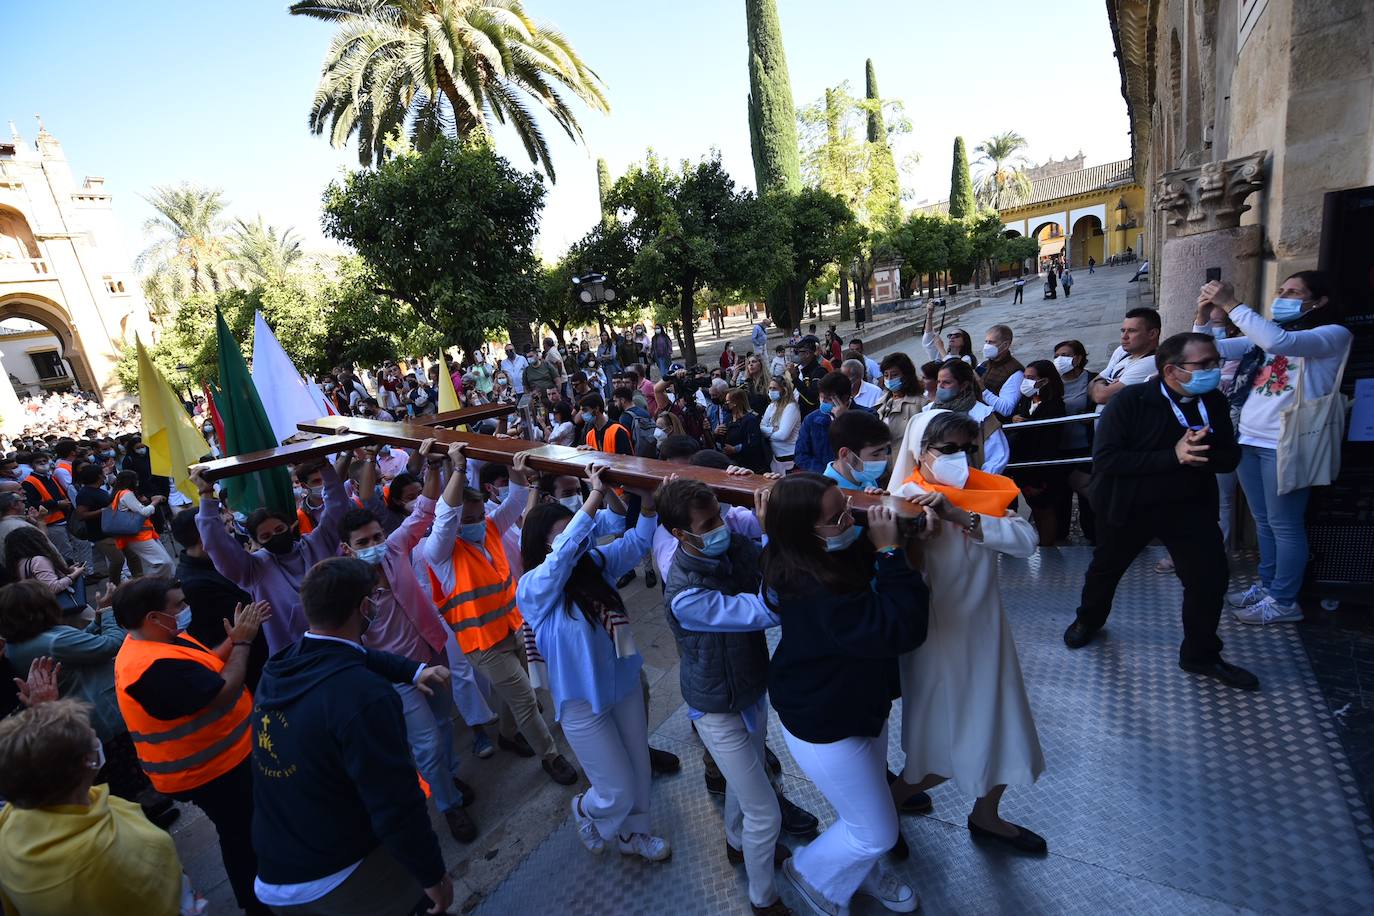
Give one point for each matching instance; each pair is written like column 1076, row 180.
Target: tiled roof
column 1083, row 181
column 1093, row 178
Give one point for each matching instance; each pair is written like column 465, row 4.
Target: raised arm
column 707, row 610
column 449, row 513
column 231, row 560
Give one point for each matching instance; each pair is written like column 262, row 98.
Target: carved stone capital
column 1209, row 197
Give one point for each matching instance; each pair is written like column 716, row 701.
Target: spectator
column 211, row 597
column 861, row 392
column 1132, row 362
column 781, row 423
column 1071, row 359
column 957, row 389
column 1042, row 398
column 143, row 550
column 66, row 845
column 903, row 395
column 813, row 451
column 743, row 442
column 1001, row 372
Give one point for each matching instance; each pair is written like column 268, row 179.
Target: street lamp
column 592, row 288
column 185, row 372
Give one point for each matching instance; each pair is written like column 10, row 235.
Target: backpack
column 641, row 430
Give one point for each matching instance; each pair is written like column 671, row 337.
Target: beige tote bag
column 1310, row 434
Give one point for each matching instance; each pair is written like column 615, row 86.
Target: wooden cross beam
column 622, row 470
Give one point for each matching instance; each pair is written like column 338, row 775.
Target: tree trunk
column 518, row 321
column 844, row 297
column 687, row 338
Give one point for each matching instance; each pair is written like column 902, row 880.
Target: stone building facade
column 1244, row 114
column 63, row 265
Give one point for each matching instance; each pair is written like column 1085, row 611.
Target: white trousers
column 752, row 817
column 468, row 694
column 613, row 748
column 852, row 775
column 155, row 559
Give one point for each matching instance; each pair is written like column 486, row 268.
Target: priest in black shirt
column 1156, row 453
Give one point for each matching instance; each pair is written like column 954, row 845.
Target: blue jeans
column 429, row 729
column 663, row 362
column 1279, row 523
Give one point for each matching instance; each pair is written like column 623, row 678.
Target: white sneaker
column 586, row 829
column 653, row 848
column 1252, row 595
column 1267, row 610
column 889, row 890
column 813, row 898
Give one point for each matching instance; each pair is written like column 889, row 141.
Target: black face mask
column 281, row 542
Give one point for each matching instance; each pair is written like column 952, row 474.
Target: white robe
column 965, row 714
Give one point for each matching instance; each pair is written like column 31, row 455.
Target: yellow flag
column 173, row 441
column 448, row 397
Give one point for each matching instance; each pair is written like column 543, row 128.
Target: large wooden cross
column 622, row 470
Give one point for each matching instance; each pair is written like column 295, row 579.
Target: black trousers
column 1193, row 538
column 228, row 802
column 1019, row 295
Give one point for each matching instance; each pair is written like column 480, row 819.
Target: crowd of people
column 296, row 675
column 71, row 415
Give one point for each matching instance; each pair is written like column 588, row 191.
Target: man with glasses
column 1156, row 453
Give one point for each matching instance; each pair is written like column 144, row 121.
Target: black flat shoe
column 915, row 803
column 796, row 820
column 468, row 793
column 1079, row 634
column 650, row 578
column 1026, row 841
column 715, row 780
column 771, row 760
column 560, row 771
column 1228, row 674
column 625, row 579
column 663, row 761
column 900, row 851
column 517, row 745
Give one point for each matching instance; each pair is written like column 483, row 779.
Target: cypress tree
column 603, row 189
column 961, row 202
column 875, row 117
column 772, row 119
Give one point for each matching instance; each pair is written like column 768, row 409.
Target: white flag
column 283, row 392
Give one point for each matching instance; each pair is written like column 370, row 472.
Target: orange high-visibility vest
column 180, row 754
column 146, row 533
column 303, row 520
column 481, row 608
column 608, row 436
column 54, row 515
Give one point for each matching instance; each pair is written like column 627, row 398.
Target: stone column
column 1203, row 206
column 11, row 416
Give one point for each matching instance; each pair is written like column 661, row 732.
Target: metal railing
column 1053, row 421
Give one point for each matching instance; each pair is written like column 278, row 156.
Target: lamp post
column 185, row 372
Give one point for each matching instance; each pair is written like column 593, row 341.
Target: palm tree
column 1002, row 180
column 443, row 67
column 259, row 253
column 189, row 254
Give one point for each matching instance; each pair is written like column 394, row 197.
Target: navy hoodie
column 332, row 773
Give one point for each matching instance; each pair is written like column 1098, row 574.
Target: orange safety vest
column 303, row 520
column 607, row 443
column 146, row 533
column 55, row 515
column 66, row 466
column 481, row 608
column 180, row 754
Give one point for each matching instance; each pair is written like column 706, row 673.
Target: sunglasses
column 949, row 448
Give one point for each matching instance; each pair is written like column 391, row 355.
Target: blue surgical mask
column 1219, row 332
column 183, row 619
column 373, row 555
column 714, row 542
column 842, row 540
column 1203, row 381
column 946, row 394
column 869, row 473
column 892, row 384
column 1286, row 310
column 774, row 395
column 587, row 416
column 502, row 493
column 473, row 532
column 827, row 407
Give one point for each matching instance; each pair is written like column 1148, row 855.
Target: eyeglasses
column 843, row 520
column 949, row 448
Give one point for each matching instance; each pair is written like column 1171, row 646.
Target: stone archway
column 55, row 318
column 1086, row 240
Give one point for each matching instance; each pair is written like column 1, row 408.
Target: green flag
column 247, row 429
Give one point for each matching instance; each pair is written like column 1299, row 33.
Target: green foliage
column 961, row 200
column 922, row 242
column 603, row 190
column 316, row 318
column 188, row 254
column 449, row 231
column 689, row 229
column 837, row 157
column 816, row 229
column 772, row 119
column 1002, row 181
column 259, row 252
column 876, row 131
column 1020, row 249
column 443, row 68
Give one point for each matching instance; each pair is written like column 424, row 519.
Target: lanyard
column 1182, row 420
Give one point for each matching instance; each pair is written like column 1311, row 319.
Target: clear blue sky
column 149, row 92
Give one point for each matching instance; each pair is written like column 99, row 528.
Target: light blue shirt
column 580, row 656
column 844, row 483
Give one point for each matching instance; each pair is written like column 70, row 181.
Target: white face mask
column 950, row 470
column 1064, row 364
column 573, row 502
column 1028, row 387
column 990, row 351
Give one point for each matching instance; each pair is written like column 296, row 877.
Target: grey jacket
column 87, row 658
column 720, row 672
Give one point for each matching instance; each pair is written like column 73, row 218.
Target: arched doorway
column 1086, row 241
column 54, row 318
column 1050, row 235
